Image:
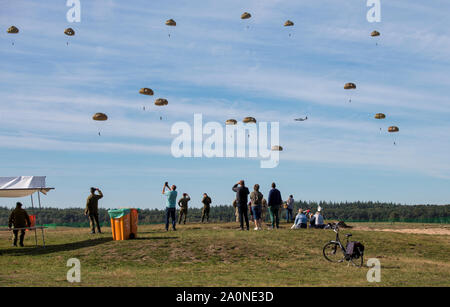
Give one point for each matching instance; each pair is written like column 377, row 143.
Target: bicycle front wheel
column 332, row 251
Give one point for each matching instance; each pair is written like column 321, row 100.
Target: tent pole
column 35, row 233
column 42, row 229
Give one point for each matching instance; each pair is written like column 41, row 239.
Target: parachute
column 375, row 33
column 350, row 86
column 100, row 117
column 231, row 122
column 146, row 91
column 393, row 129
column 161, row 102
column 246, row 15
column 248, row 120
column 69, row 32
column 12, row 30
column 380, row 116
column 277, row 148
column 288, row 23
column 171, row 23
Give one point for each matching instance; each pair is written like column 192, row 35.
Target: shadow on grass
column 154, row 238
column 48, row 249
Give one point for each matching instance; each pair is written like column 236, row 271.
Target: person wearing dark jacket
column 206, row 207
column 242, row 193
column 274, row 203
column 19, row 219
column 92, row 209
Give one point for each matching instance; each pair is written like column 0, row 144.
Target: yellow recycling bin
column 124, row 223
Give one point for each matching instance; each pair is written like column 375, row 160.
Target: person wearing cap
column 19, row 219
column 183, row 203
column 92, row 209
column 242, row 193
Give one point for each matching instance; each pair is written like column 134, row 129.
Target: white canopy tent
column 21, row 186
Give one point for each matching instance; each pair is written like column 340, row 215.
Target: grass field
column 218, row 255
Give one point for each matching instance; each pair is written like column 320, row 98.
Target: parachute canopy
column 350, row 86
column 288, row 23
column 231, row 122
column 277, row 148
column 249, row 120
column 146, row 91
column 161, row 102
column 69, row 32
column 380, row 116
column 171, row 23
column 12, row 30
column 393, row 129
column 375, row 33
column 100, row 117
column 246, row 15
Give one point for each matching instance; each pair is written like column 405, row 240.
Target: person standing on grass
column 236, row 210
column 289, row 208
column 242, row 193
column 256, row 198
column 92, row 209
column 264, row 208
column 19, row 219
column 274, row 203
column 171, row 201
column 183, row 203
column 206, row 207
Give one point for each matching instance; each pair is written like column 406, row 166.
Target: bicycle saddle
column 348, row 235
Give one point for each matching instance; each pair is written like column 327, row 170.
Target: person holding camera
column 171, row 202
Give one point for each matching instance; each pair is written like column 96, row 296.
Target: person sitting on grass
column 319, row 220
column 300, row 220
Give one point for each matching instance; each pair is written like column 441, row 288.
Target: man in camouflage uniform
column 92, row 209
column 19, row 219
column 264, row 209
column 236, row 210
column 183, row 203
column 206, row 207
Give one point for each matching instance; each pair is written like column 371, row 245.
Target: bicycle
column 334, row 251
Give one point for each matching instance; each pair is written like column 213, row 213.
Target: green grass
column 218, row 255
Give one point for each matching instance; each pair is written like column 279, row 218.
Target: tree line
column 343, row 211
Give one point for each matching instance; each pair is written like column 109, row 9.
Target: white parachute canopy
column 22, row 186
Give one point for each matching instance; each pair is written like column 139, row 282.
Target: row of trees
column 348, row 212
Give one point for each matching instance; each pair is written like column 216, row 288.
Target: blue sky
column 213, row 64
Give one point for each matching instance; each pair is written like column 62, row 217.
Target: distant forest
column 348, row 212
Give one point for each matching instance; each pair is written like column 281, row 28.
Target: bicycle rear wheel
column 333, row 252
column 359, row 262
